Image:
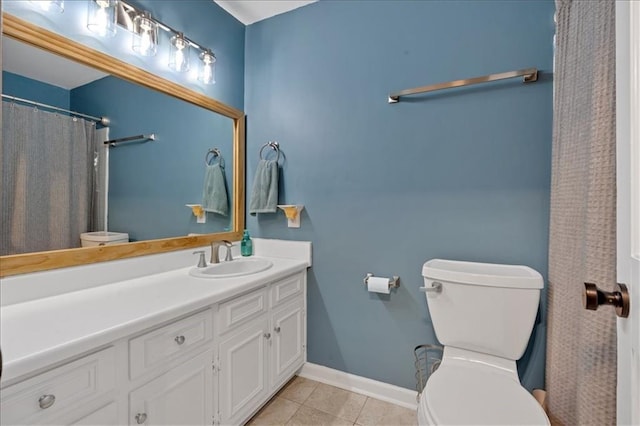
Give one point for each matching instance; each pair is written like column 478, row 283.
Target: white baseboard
column 373, row 388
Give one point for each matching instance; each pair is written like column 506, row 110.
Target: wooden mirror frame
column 29, row 33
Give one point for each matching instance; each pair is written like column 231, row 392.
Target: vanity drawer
column 157, row 347
column 241, row 309
column 70, row 387
column 286, row 289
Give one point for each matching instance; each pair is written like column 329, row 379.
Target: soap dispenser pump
column 246, row 245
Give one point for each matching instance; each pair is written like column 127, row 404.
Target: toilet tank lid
column 485, row 274
column 104, row 236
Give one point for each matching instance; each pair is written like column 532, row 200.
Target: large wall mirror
column 139, row 188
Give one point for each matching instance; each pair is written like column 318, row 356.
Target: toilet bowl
column 483, row 315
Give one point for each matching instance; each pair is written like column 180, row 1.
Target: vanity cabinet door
column 288, row 328
column 182, row 396
column 243, row 380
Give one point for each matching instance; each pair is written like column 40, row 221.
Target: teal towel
column 214, row 194
column 264, row 195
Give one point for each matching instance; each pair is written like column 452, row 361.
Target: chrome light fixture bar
column 128, row 16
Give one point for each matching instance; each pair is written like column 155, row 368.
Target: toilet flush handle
column 436, row 288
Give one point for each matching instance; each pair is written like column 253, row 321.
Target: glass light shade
column 50, row 5
column 101, row 17
column 179, row 53
column 145, row 35
column 208, row 71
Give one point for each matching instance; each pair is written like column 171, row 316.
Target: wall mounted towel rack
column 528, row 75
column 273, row 145
column 144, row 138
column 211, row 155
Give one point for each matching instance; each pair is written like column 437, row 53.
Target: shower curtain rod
column 102, row 120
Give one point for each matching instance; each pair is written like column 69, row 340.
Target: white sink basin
column 234, row 268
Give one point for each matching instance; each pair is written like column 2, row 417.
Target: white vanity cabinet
column 262, row 344
column 216, row 365
column 68, row 394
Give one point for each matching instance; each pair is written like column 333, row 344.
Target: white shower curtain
column 47, row 179
column 581, row 345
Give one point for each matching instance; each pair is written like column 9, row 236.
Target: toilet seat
column 478, row 395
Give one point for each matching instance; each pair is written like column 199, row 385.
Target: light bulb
column 145, row 35
column 101, row 17
column 207, row 75
column 179, row 53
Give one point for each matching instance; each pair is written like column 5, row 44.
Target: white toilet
column 483, row 314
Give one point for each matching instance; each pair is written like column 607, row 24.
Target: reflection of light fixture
column 145, row 35
column 50, row 5
column 207, row 74
column 101, row 17
column 179, row 53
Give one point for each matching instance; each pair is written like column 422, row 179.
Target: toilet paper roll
column 378, row 285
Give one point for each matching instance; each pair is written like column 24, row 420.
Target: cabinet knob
column 267, row 335
column 179, row 339
column 277, row 329
column 141, row 418
column 46, row 401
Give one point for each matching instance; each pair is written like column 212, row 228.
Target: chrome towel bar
column 528, row 75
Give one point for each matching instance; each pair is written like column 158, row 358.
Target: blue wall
column 150, row 183
column 27, row 88
column 201, row 20
column 462, row 174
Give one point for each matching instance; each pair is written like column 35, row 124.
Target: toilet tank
column 483, row 307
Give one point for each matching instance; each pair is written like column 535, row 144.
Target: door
column 182, row 396
column 243, row 380
column 288, row 341
column 628, row 205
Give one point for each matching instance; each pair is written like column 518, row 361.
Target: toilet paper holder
column 393, row 282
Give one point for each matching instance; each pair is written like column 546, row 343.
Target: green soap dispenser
column 246, row 245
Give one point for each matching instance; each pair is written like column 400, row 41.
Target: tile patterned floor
column 306, row 402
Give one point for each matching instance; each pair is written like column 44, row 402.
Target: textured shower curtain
column 47, row 179
column 581, row 344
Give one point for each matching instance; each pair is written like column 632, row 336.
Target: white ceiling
column 250, row 11
column 38, row 64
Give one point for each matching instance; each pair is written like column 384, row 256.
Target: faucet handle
column 202, row 263
column 229, row 256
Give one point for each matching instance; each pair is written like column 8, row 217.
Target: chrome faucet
column 201, row 262
column 229, row 256
column 215, row 251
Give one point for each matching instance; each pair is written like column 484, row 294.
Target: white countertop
column 39, row 333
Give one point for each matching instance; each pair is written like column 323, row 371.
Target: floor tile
column 376, row 412
column 277, row 412
column 335, row 401
column 310, row 416
column 298, row 389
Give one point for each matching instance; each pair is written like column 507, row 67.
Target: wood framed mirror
column 38, row 37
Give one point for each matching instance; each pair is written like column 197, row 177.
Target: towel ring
column 273, row 145
column 211, row 155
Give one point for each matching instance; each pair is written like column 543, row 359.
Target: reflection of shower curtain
column 581, row 345
column 47, row 179
column 101, row 181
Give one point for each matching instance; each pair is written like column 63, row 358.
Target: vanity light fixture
column 145, row 35
column 179, row 53
column 102, row 17
column 145, row 41
column 50, row 5
column 207, row 73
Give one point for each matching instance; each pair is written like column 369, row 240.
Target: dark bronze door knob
column 594, row 297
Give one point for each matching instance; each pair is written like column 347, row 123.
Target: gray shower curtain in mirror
column 47, row 179
column 581, row 344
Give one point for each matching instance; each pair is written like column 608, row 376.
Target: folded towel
column 214, row 194
column 264, row 195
